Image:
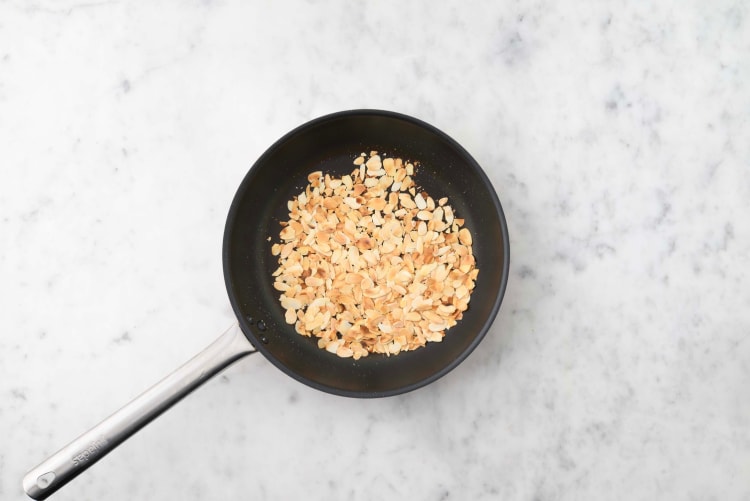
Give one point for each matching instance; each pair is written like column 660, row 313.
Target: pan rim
column 231, row 221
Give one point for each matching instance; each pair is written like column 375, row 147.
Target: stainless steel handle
column 84, row 451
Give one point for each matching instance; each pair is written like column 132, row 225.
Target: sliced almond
column 420, row 202
column 373, row 259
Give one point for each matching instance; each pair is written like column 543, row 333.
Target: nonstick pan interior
column 330, row 144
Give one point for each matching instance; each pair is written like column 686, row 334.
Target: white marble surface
column 617, row 135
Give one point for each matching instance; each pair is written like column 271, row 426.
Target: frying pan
column 328, row 144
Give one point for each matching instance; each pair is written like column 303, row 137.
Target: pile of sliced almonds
column 368, row 263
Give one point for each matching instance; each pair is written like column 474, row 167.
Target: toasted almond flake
column 400, row 175
column 314, row 282
column 434, row 337
column 404, row 276
column 376, row 203
column 385, row 182
column 374, row 292
column 420, row 202
column 431, row 316
column 437, row 215
column 281, row 285
column 290, row 316
column 353, row 278
column 344, row 352
column 464, row 237
column 365, row 243
column 290, row 303
column 389, row 166
column 374, row 161
column 406, row 201
column 352, row 202
column 448, row 214
column 413, row 316
column 314, row 176
column 369, row 263
column 333, row 346
column 441, row 272
column 446, row 309
column 442, row 251
column 287, row 233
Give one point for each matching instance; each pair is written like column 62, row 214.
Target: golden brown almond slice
column 376, row 203
column 369, row 257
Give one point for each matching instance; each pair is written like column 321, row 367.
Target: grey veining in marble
column 617, row 137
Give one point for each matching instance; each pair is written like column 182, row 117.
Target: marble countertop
column 616, row 135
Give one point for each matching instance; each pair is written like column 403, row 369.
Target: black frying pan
column 328, row 144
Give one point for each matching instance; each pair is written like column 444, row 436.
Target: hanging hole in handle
column 44, row 481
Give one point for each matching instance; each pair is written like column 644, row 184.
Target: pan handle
column 84, row 451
